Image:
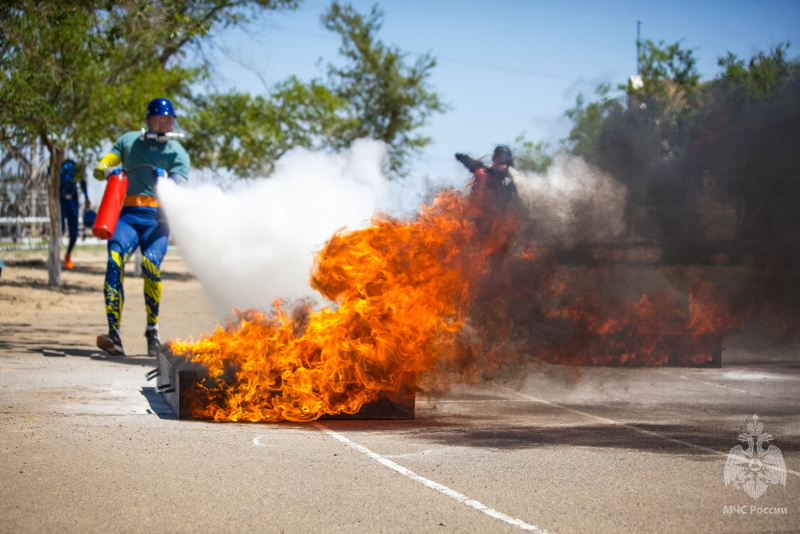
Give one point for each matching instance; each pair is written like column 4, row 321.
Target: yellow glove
column 109, row 160
column 100, row 171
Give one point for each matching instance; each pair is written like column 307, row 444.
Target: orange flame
column 423, row 298
column 400, row 291
column 652, row 331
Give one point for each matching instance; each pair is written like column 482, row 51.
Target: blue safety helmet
column 89, row 216
column 69, row 167
column 160, row 106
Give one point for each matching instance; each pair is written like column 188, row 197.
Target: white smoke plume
column 256, row 242
column 575, row 203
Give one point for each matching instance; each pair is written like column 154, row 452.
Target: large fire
column 400, row 291
column 416, row 300
column 653, row 331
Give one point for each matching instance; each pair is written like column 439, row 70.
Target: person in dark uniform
column 494, row 207
column 492, row 191
column 71, row 181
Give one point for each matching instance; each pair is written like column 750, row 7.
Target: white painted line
column 444, row 490
column 630, row 427
column 426, row 452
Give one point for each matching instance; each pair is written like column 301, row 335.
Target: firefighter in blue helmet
column 71, row 181
column 147, row 156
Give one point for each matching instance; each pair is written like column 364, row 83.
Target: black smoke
column 720, row 185
column 711, row 209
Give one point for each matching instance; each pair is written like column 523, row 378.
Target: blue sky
column 507, row 67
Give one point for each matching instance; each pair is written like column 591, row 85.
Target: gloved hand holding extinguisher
column 114, row 198
column 145, row 157
column 108, row 162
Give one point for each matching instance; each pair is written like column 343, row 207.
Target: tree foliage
column 71, row 70
column 677, row 140
column 759, row 77
column 531, row 156
column 246, row 134
column 386, row 99
column 185, row 23
column 589, row 119
column 75, row 73
column 374, row 94
column 664, row 68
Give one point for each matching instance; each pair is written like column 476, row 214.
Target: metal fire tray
column 178, row 379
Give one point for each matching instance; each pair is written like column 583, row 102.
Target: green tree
column 663, row 68
column 661, row 105
column 589, row 121
column 636, row 140
column 386, row 99
column 532, row 156
column 374, row 95
column 73, row 72
column 246, row 134
column 761, row 74
column 183, row 24
column 750, row 119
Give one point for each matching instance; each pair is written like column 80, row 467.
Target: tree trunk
column 54, row 206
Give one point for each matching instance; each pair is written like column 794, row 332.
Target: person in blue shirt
column 71, row 181
column 146, row 157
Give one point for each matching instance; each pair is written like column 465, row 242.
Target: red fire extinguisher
column 111, row 206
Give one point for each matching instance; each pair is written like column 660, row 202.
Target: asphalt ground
column 86, row 445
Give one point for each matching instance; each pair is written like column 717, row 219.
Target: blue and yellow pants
column 143, row 227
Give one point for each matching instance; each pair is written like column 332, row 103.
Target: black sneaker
column 153, row 343
column 111, row 343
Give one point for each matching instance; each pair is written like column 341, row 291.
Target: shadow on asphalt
column 639, row 437
column 94, row 354
column 94, row 269
column 158, row 405
column 503, row 431
column 66, row 288
column 594, row 436
column 63, row 349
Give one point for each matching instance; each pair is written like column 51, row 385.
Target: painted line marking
column 625, row 425
column 426, row 452
column 444, row 490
